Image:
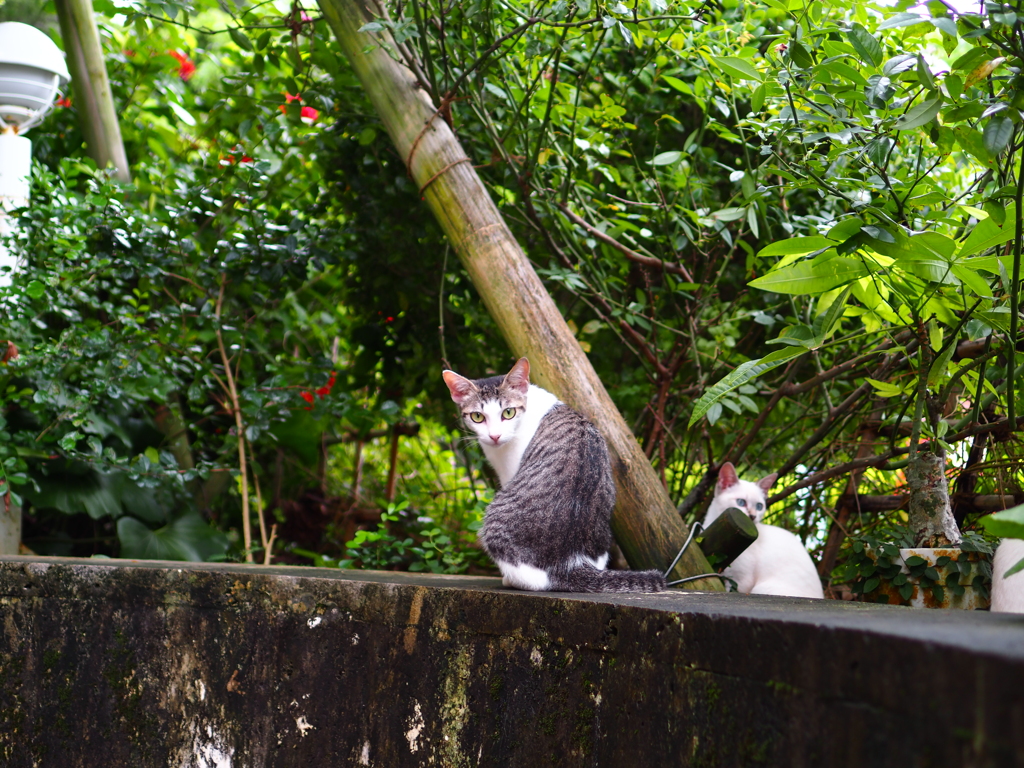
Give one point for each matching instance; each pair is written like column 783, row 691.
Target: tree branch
column 639, row 258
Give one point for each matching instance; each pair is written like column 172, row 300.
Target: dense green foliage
column 786, row 233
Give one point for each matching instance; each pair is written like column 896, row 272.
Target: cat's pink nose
column 495, row 438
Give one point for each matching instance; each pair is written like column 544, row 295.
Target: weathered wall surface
column 115, row 664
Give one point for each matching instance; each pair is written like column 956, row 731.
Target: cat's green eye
column 476, row 417
column 508, row 413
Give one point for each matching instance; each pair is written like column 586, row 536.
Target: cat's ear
column 519, row 377
column 459, row 386
column 726, row 477
column 767, row 481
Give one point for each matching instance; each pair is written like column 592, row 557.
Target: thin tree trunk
column 93, row 98
column 645, row 522
column 389, row 489
column 10, row 513
column 931, row 516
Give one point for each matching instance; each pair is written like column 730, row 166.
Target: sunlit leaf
column 920, row 114
column 983, row 71
column 738, row 68
column 796, row 245
column 865, row 44
column 806, row 278
column 1006, row 524
column 743, row 373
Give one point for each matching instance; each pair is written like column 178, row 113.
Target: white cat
column 1008, row 594
column 777, row 562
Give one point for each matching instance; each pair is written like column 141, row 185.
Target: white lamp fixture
column 32, row 71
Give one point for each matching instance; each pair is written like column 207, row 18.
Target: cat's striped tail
column 587, row 578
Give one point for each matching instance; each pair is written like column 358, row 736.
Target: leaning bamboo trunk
column 646, row 524
column 93, row 98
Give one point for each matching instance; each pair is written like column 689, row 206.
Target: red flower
column 308, row 397
column 308, row 115
column 326, row 389
column 185, row 66
column 246, row 159
column 63, row 101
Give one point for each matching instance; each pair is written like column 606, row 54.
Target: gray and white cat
column 777, row 562
column 1008, row 594
column 548, row 528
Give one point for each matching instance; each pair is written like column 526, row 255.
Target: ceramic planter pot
column 943, row 577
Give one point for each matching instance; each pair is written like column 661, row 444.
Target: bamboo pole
column 646, row 524
column 93, row 98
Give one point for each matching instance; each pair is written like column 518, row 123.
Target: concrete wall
column 122, row 664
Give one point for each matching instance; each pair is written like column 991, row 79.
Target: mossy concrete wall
column 121, row 664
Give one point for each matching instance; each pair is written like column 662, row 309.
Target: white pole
column 15, row 178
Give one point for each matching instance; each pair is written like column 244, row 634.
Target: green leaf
column 187, row 538
column 902, row 20
column 844, row 70
column 924, row 74
column 884, row 388
column 937, row 372
column 757, row 99
column 880, row 89
column 986, row 234
column 966, row 111
column 738, row 68
column 1015, row 569
column 921, row 114
column 972, row 142
column 865, row 44
column 240, row 38
column 35, row 289
column 976, row 282
column 666, row 158
column 846, row 229
column 970, row 60
column 743, row 373
column 800, row 55
column 997, row 135
column 678, row 84
column 826, row 322
column 878, row 150
column 806, row 277
column 946, row 25
column 795, row 245
column 728, row 214
column 1006, row 524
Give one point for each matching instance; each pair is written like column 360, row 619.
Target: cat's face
column 750, row 498
column 493, row 408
